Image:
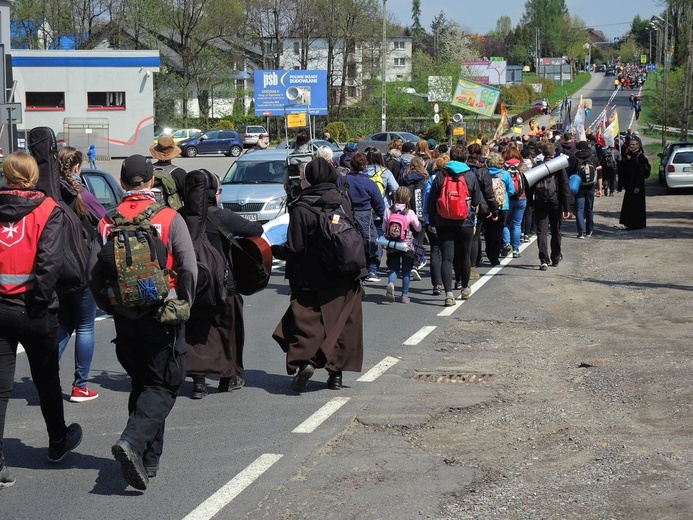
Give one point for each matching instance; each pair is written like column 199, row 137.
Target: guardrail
column 668, row 130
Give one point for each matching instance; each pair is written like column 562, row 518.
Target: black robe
column 632, row 172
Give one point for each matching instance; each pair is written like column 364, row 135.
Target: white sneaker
column 390, row 292
column 372, row 278
column 414, row 275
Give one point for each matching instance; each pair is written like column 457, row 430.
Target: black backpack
column 609, row 160
column 44, row 148
column 587, row 172
column 212, row 269
column 546, row 190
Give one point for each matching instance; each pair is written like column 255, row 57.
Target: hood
column 407, row 157
column 495, row 172
column 399, row 207
column 456, row 168
column 325, row 194
column 15, row 204
column 583, row 154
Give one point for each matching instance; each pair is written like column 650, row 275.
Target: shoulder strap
column 214, row 220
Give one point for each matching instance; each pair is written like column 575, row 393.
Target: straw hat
column 164, row 149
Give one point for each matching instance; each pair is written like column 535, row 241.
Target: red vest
column 18, row 248
column 133, row 206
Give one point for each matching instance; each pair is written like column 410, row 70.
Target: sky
column 610, row 16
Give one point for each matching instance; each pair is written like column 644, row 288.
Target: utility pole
column 688, row 84
column 666, row 77
column 383, row 52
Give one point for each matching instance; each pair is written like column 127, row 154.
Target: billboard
column 279, row 92
column 486, row 72
column 475, row 97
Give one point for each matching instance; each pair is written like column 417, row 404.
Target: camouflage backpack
column 134, row 261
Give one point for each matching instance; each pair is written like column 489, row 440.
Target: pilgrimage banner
column 475, row 97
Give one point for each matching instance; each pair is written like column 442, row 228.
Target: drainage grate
column 451, row 377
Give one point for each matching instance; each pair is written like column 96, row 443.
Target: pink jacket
column 412, row 219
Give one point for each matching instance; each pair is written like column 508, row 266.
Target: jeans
column 92, row 163
column 513, row 223
column 584, row 211
column 455, row 245
column 39, row 337
column 77, row 313
column 397, row 263
column 364, row 223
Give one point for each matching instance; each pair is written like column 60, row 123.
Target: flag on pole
column 503, row 124
column 601, row 127
column 580, row 122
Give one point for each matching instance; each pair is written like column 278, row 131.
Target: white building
column 104, row 98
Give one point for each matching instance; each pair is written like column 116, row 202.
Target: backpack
column 546, row 190
column 134, row 260
column 453, row 201
column 397, row 226
column 587, row 172
column 518, row 181
column 212, row 269
column 378, row 179
column 340, row 243
column 609, row 160
column 44, row 148
column 164, row 181
column 499, row 190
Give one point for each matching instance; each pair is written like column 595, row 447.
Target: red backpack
column 453, row 201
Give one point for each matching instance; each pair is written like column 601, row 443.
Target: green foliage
column 517, row 95
column 224, row 124
column 549, row 87
column 338, row 130
column 436, row 132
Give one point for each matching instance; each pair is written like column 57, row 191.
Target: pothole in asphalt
column 452, row 377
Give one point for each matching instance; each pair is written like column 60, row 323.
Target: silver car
column 381, row 140
column 254, row 185
column 252, row 134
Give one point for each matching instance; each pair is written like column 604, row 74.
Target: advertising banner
column 279, row 92
column 474, row 97
column 486, row 72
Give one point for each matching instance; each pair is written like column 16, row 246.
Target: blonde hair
column 325, row 152
column 422, row 147
column 402, row 196
column 496, row 160
column 442, row 161
column 20, row 170
column 417, row 164
column 68, row 158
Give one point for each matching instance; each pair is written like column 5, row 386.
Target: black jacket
column 489, row 203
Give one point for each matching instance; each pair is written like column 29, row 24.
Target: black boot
column 199, row 387
column 334, row 382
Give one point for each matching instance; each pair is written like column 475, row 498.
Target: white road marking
column 233, row 488
column 315, row 420
column 420, row 335
column 378, row 370
column 447, row 311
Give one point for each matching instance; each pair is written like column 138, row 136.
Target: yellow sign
column 643, row 58
column 458, row 131
column 296, row 120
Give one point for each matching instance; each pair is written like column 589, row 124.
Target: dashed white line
column 420, row 335
column 233, row 488
column 378, row 370
column 315, row 420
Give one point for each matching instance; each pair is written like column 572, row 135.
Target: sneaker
column 506, row 250
column 150, row 471
column 80, row 395
column 130, row 464
column 6, row 479
column 415, row 276
column 437, row 290
column 390, row 292
column 57, row 451
column 449, row 300
column 230, row 383
column 465, row 293
column 543, row 267
column 422, row 264
column 300, row 380
column 589, row 234
column 372, row 278
column 474, row 274
column 199, row 390
column 557, row 261
column 516, row 254
column 405, row 298
column 458, row 286
column 581, row 235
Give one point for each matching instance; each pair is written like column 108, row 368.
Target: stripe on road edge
column 233, row 488
column 315, row 420
column 447, row 311
column 378, row 370
column 420, row 335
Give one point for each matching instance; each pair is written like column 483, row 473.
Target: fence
column 669, row 129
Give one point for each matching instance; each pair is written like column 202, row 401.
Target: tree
column 547, row 16
column 503, row 26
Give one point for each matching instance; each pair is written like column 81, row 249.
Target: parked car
column 253, row 186
column 665, row 155
column 252, row 134
column 382, row 139
column 601, row 68
column 610, row 71
column 212, row 141
column 317, row 143
column 104, row 186
column 679, row 169
column 179, row 134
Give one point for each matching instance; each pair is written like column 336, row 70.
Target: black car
column 104, row 186
column 610, row 72
column 601, row 68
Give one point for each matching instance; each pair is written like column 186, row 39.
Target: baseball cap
column 136, row 170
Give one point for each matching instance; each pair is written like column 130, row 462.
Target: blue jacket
column 507, row 182
column 364, row 193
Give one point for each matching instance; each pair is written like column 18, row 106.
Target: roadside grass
column 569, row 87
column 651, row 151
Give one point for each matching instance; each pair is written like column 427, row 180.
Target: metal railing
column 668, row 130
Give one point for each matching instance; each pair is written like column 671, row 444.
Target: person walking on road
column 633, row 170
column 92, row 156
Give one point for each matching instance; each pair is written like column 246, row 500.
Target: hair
column 435, row 154
column 548, row 150
column 496, row 160
column 20, row 170
column 402, row 195
column 395, row 153
column 474, row 151
column 459, row 153
column 422, row 147
column 358, row 162
column 511, row 152
column 395, row 144
column 442, row 161
column 417, row 164
column 302, row 138
column 325, row 152
column 69, row 157
column 375, row 158
column 443, row 148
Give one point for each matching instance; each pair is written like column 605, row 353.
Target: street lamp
column 383, row 115
column 589, row 55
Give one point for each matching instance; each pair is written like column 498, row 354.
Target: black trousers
column 455, row 245
column 155, row 358
column 549, row 216
column 493, row 233
column 39, row 337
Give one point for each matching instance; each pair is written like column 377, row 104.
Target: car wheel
column 235, row 151
column 191, row 151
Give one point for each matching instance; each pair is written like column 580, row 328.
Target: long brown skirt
column 324, row 328
column 215, row 340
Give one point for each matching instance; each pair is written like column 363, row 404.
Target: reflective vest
column 19, row 246
column 133, row 206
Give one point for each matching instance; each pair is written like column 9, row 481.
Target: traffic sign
column 643, row 58
column 436, row 118
column 436, row 108
column 651, row 66
column 11, row 113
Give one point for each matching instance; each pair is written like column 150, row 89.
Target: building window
column 399, row 46
column 45, row 101
column 351, row 92
column 297, row 47
column 399, row 62
column 105, row 100
column 351, row 70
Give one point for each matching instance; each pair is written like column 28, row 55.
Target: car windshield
column 255, row 172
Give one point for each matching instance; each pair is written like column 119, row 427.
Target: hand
column 599, row 193
column 636, row 190
column 567, row 214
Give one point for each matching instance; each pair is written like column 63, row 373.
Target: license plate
column 687, row 169
column 248, row 216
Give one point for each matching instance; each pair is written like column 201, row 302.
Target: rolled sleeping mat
column 545, row 169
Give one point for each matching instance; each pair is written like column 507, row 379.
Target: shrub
column 338, row 130
column 224, row 124
column 549, row 87
column 436, row 132
column 517, row 95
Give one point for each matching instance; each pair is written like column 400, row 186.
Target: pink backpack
column 397, row 226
